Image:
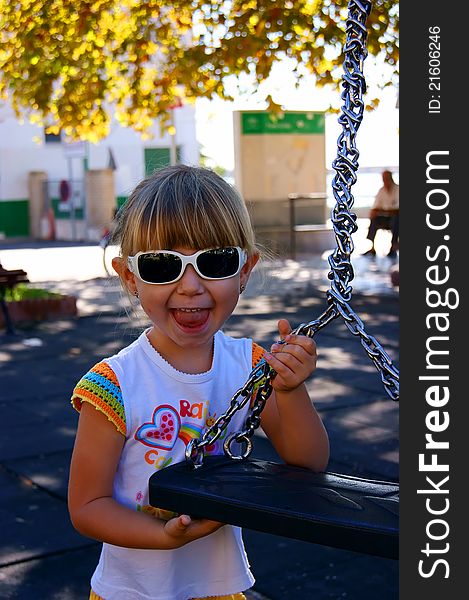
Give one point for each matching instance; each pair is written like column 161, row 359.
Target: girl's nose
column 190, row 282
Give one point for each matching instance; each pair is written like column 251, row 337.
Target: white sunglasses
column 159, row 267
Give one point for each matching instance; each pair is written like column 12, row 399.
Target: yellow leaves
column 71, row 71
column 372, row 104
column 90, row 35
column 251, row 4
column 54, row 129
column 273, row 107
column 146, row 85
column 147, row 135
column 300, row 30
column 185, row 20
column 311, row 7
column 77, row 53
column 253, row 20
column 3, row 55
column 138, row 119
column 64, row 61
column 151, row 48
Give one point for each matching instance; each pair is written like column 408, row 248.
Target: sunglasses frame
column 191, row 259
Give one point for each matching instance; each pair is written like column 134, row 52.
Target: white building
column 24, row 148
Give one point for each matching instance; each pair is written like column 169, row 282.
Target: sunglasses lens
column 218, row 263
column 159, row 267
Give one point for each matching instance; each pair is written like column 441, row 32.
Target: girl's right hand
column 183, row 529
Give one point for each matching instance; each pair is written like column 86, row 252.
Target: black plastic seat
column 324, row 508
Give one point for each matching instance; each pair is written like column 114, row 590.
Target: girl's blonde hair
column 184, row 206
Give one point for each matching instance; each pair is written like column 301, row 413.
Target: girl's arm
column 289, row 418
column 94, row 512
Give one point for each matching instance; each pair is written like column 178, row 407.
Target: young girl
column 187, row 250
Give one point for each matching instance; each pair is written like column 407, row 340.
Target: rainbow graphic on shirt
column 190, row 432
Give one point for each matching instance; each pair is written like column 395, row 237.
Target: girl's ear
column 247, row 268
column 126, row 276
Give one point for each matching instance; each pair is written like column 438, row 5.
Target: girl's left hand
column 294, row 361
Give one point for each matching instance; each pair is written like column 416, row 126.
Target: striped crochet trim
column 257, row 353
column 100, row 388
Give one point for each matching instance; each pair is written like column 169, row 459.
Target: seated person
column 384, row 214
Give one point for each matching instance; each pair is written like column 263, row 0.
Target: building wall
column 20, row 154
column 14, row 218
column 277, row 156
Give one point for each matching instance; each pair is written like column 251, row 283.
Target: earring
column 242, row 287
column 136, row 293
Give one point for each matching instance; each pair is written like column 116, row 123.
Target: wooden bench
column 8, row 280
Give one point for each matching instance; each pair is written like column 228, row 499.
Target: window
column 155, row 158
column 52, row 138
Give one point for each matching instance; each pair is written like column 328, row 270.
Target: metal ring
column 236, row 437
column 194, row 454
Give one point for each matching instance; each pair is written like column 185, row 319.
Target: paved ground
column 42, row 557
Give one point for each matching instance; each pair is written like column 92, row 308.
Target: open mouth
column 190, row 318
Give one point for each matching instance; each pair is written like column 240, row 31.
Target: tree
column 71, row 65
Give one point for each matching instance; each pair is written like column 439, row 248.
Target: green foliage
column 71, row 65
column 23, row 292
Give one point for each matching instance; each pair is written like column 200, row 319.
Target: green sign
column 262, row 123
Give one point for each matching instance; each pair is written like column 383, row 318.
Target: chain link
column 346, row 166
column 259, row 384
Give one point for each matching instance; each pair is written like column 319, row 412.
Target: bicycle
column 105, row 242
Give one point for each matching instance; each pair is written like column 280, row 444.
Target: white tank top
column 164, row 409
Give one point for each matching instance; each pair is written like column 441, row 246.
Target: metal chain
column 346, row 166
column 341, row 273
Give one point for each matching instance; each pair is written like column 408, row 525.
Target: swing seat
column 323, row 508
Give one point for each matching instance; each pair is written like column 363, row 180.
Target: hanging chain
column 259, row 385
column 346, row 166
